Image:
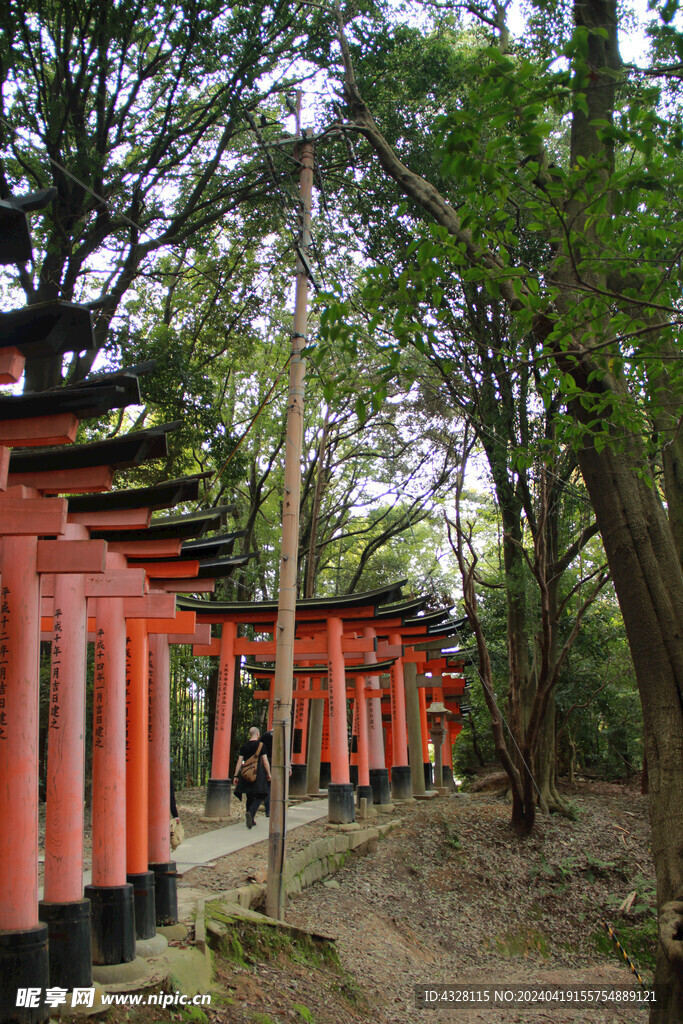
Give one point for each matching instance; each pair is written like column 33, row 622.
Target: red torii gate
column 331, row 612
column 91, row 468
column 26, row 515
column 340, row 636
column 51, row 329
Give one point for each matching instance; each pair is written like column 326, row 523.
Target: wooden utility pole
column 284, row 657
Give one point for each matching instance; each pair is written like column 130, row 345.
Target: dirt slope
column 451, row 896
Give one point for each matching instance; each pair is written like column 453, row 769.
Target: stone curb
column 316, row 862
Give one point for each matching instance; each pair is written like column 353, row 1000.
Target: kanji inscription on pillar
column 99, row 689
column 56, row 665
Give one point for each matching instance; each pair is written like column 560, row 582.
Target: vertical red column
column 325, row 743
column 340, row 791
column 137, row 777
column 159, row 802
column 424, row 728
column 23, row 939
column 63, row 908
column 271, row 702
column 447, row 757
column 389, row 747
column 401, row 782
column 353, row 752
column 364, row 790
column 379, row 774
column 113, row 917
column 219, row 785
column 298, row 782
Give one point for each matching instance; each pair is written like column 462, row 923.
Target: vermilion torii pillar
column 146, row 881
column 159, row 790
column 340, row 791
column 219, row 787
column 378, row 773
column 137, row 777
column 23, row 938
column 159, row 809
column 63, row 908
column 325, row 746
column 111, row 896
column 364, row 789
column 401, row 780
column 298, row 782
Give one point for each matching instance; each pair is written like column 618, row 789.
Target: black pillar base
column 340, row 806
column 325, row 774
column 298, row 780
column 70, row 943
column 113, row 923
column 23, row 964
column 429, row 777
column 143, row 897
column 218, row 798
column 364, row 793
column 165, row 892
column 353, row 775
column 401, row 782
column 448, row 777
column 379, row 781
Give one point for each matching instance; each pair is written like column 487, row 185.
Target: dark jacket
column 260, row 783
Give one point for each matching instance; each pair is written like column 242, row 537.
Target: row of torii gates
column 387, row 656
column 96, row 567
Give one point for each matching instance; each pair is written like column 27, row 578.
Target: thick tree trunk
column 649, row 584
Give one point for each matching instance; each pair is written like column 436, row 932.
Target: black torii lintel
column 166, row 494
column 47, row 328
column 84, row 402
column 327, row 606
column 123, row 452
column 15, row 237
column 361, row 669
column 212, row 547
column 194, row 524
column 212, row 568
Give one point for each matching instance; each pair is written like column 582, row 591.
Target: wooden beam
column 201, row 635
column 182, row 622
column 116, row 519
column 34, row 517
column 12, row 364
column 190, row 586
column 208, row 650
column 61, row 428
column 165, row 548
column 111, row 583
column 90, row 480
column 151, row 606
column 71, row 556
column 170, row 570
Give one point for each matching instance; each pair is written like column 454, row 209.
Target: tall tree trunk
column 649, row 583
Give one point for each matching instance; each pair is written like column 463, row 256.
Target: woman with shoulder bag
column 256, row 789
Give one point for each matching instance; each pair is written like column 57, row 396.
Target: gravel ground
column 452, row 896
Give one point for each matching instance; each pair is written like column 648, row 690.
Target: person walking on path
column 257, row 790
